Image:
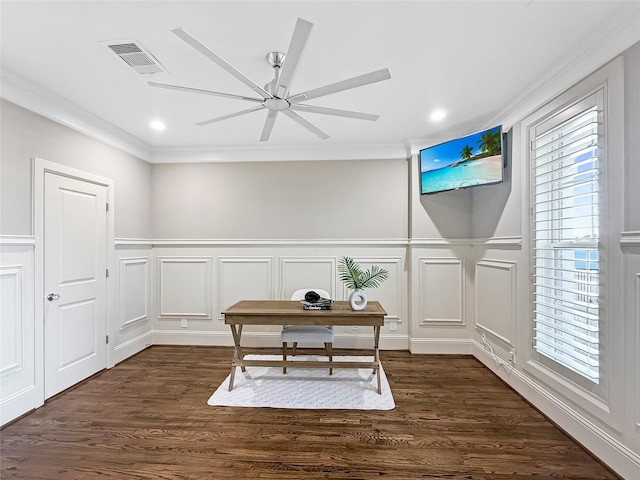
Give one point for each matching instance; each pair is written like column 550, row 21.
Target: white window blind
column 565, row 228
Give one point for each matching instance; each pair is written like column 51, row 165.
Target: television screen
column 464, row 162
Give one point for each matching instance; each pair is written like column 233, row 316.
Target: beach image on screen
column 465, row 162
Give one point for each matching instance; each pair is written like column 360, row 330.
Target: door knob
column 53, row 296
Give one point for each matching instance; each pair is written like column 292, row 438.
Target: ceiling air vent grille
column 136, row 56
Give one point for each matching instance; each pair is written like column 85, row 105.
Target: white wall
column 26, row 135
column 363, row 199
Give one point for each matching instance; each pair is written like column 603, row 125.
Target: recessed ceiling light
column 437, row 115
column 157, row 125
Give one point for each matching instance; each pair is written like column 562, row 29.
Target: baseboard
column 20, row 403
column 126, row 349
column 441, row 346
column 610, row 451
column 191, row 337
column 270, row 339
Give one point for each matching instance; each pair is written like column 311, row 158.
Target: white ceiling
column 475, row 59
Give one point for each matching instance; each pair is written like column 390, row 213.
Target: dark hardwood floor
column 147, row 418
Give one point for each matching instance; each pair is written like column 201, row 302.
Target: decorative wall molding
column 134, row 291
column 246, row 277
column 494, row 242
column 184, row 281
column 506, row 242
column 318, row 272
column 630, row 239
column 21, row 338
column 262, row 242
column 11, row 299
column 496, row 298
column 17, row 240
column 441, row 291
column 509, row 242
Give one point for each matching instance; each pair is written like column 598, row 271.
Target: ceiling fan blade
column 359, row 81
column 268, row 125
column 305, row 123
column 334, row 111
column 213, row 56
column 299, row 40
column 231, row 115
column 204, row 92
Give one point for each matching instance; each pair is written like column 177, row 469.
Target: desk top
column 290, row 312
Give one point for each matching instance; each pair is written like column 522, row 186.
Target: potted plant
column 355, row 278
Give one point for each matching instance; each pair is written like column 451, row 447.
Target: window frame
column 554, row 119
column 605, row 400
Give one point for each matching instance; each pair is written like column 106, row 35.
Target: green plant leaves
column 353, row 277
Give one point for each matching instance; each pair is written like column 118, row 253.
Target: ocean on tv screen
column 467, row 174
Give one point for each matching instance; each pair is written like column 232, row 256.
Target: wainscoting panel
column 13, row 324
column 441, row 291
column 20, row 338
column 244, row 277
column 496, row 298
column 184, row 287
column 302, row 272
column 134, row 291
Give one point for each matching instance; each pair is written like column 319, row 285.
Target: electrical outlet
column 183, row 323
column 393, row 326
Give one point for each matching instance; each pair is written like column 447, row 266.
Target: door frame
column 41, row 168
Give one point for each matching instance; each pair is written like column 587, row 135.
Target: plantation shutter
column 565, row 228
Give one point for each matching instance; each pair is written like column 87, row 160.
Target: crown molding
column 33, row 97
column 603, row 48
column 209, row 154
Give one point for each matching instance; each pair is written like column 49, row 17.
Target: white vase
column 358, row 299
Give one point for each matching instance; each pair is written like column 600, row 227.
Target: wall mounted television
column 469, row 161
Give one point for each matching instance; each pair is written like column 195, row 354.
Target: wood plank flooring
column 147, row 418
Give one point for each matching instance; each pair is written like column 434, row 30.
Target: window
column 565, row 226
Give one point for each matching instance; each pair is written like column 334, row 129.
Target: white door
column 75, row 263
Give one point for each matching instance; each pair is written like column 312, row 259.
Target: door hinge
column 107, row 271
column 107, row 339
column 107, row 207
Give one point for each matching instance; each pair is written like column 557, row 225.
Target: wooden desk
column 289, row 312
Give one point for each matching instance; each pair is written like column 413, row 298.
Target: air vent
column 136, row 56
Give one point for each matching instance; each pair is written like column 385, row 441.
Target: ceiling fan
column 275, row 97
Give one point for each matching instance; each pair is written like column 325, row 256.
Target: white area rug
column 347, row 389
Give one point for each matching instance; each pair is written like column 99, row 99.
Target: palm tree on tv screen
column 490, row 142
column 466, row 152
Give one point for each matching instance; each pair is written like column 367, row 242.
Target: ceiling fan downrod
column 278, row 104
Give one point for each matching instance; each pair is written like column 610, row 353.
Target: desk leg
column 236, row 331
column 376, row 355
